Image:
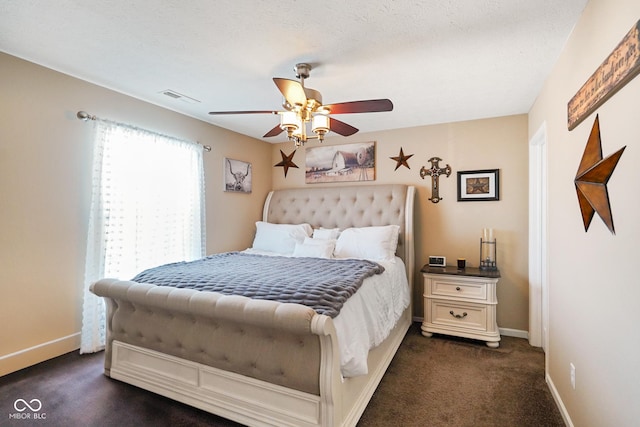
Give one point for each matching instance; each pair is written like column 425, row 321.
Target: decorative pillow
column 377, row 243
column 280, row 238
column 326, row 233
column 315, row 248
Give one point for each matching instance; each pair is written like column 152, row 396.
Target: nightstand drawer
column 459, row 288
column 459, row 315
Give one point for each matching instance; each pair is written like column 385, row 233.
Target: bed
column 254, row 361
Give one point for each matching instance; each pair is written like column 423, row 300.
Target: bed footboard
column 277, row 361
column 267, row 340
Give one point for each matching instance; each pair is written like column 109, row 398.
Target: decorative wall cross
column 435, row 171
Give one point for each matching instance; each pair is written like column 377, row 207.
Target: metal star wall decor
column 401, row 159
column 592, row 177
column 287, row 162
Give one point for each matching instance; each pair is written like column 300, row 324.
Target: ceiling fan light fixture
column 320, row 125
column 303, row 106
column 289, row 121
column 295, row 126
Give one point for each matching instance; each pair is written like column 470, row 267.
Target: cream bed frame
column 260, row 363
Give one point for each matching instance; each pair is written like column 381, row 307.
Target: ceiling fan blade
column 368, row 106
column 219, row 113
column 292, row 91
column 341, row 128
column 277, row 130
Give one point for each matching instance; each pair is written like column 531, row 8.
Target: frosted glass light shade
column 289, row 120
column 320, row 124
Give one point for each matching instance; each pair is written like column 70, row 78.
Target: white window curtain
column 147, row 209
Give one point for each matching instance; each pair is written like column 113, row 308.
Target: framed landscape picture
column 479, row 185
column 237, row 176
column 341, row 163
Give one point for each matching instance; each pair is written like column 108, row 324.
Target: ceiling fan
column 303, row 105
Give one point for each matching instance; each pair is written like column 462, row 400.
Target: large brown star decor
column 287, row 162
column 592, row 177
column 401, row 159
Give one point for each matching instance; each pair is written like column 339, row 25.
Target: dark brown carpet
column 447, row 381
column 440, row 381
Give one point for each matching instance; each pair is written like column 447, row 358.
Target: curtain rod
column 84, row 116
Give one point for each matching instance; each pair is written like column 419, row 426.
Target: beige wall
column 45, row 174
column 453, row 228
column 45, row 170
column 594, row 286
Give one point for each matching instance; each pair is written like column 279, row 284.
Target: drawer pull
column 457, row 288
column 458, row 316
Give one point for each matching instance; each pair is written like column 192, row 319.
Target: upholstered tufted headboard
column 348, row 206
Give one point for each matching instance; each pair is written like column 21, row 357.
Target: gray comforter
column 322, row 284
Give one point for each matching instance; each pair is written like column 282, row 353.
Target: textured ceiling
column 438, row 61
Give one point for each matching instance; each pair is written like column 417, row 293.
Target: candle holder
column 488, row 251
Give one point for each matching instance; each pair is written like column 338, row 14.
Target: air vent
column 171, row 94
column 175, row 95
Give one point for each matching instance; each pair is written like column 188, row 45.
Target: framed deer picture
column 237, row 176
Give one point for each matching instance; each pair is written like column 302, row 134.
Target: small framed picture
column 479, row 185
column 237, row 176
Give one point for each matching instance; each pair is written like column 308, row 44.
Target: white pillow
column 315, row 248
column 280, row 238
column 326, row 233
column 376, row 243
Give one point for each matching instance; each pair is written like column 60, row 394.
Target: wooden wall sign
column 620, row 67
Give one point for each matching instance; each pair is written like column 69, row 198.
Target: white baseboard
column 514, row 333
column 559, row 403
column 517, row 333
column 39, row 353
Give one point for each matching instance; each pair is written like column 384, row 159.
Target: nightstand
column 461, row 302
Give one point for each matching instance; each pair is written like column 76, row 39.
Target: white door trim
column 538, row 279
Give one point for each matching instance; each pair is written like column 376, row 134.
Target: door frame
column 538, row 240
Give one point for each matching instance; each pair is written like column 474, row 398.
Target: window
column 147, row 209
